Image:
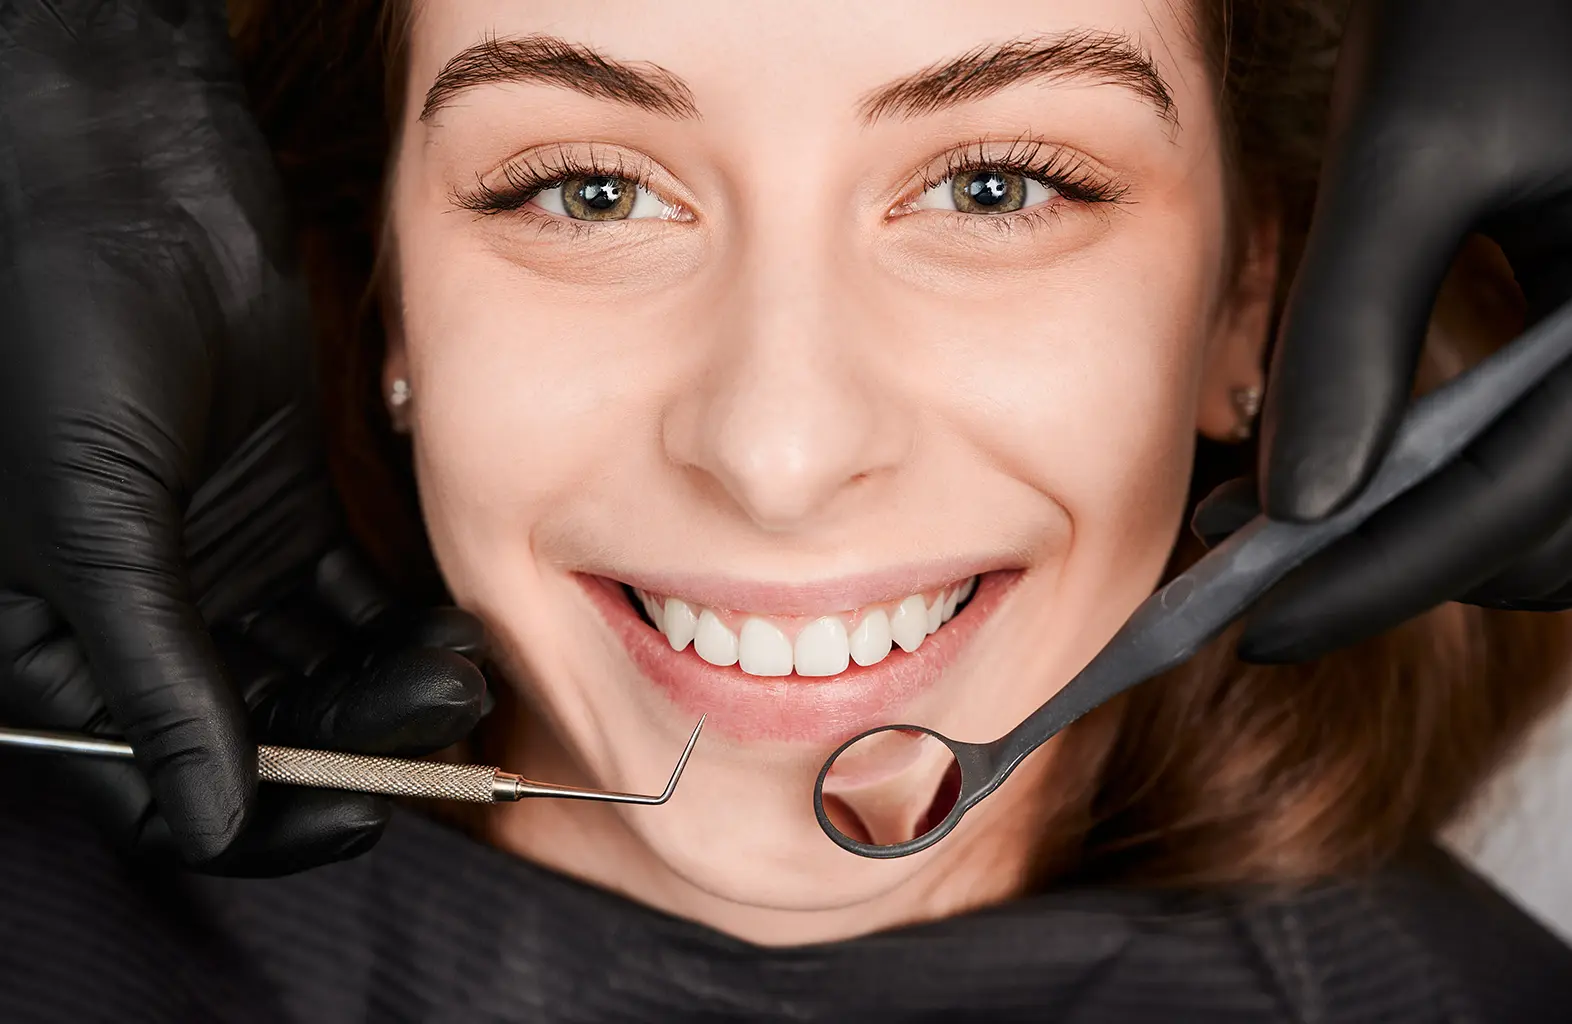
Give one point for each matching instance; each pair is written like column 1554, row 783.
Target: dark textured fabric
column 433, row 927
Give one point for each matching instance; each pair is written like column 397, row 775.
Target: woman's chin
column 762, row 872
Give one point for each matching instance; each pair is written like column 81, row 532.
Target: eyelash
column 1065, row 172
column 529, row 176
column 1060, row 169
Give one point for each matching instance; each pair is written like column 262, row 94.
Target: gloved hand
column 157, row 448
column 331, row 666
column 1450, row 117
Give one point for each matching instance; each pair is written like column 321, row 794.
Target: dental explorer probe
column 359, row 773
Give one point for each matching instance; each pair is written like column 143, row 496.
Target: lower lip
column 794, row 708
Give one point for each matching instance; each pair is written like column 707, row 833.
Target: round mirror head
column 889, row 792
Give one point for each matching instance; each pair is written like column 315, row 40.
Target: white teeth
column 909, row 624
column 712, row 641
column 678, row 622
column 870, row 641
column 762, row 649
column 653, row 609
column 822, row 648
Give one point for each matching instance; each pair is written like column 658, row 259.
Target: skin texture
column 793, row 386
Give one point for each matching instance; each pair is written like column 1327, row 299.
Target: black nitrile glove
column 157, row 448
column 331, row 666
column 1450, row 117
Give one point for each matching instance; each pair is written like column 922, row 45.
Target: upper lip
column 814, row 597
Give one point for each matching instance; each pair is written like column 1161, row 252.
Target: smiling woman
column 813, row 366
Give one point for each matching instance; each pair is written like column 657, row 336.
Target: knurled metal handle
column 362, row 774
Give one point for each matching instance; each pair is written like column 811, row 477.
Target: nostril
column 845, row 819
column 870, row 805
column 944, row 801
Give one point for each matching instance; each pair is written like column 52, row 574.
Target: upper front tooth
column 935, row 612
column 822, row 648
column 909, row 624
column 870, row 641
column 967, row 588
column 951, row 599
column 712, row 641
column 763, row 649
column 678, row 622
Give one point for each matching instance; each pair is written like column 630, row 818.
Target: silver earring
column 1247, row 404
column 398, row 399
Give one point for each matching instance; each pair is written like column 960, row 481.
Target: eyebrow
column 1100, row 56
column 554, row 61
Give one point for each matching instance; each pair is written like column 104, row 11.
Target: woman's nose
column 794, row 405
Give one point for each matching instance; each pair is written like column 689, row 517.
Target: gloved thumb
column 125, row 593
column 1221, row 513
column 1390, row 215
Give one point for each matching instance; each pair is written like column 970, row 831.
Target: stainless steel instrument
column 327, row 769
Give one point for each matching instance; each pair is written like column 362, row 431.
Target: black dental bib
column 431, row 926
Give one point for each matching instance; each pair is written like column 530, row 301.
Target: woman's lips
column 794, row 708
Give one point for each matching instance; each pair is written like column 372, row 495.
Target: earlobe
column 397, row 392
column 1234, row 377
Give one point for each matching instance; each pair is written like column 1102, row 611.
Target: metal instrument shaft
column 360, row 773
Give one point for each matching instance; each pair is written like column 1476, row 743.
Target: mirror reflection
column 891, row 786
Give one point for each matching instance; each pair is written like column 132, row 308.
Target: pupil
column 601, row 193
column 988, row 189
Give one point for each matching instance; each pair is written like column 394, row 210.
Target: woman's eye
column 985, row 191
column 601, row 197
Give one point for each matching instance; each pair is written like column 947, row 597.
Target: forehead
column 785, row 59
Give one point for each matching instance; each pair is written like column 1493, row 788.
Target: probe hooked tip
column 682, row 763
column 516, row 788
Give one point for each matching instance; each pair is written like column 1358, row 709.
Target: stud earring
column 399, row 395
column 1247, row 404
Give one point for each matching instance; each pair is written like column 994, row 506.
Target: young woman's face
column 808, row 321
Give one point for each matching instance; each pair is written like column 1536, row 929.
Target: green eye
column 598, row 198
column 986, row 191
column 602, row 197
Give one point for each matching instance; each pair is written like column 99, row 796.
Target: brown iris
column 988, row 191
column 598, row 197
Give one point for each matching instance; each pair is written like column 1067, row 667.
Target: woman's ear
column 1234, row 379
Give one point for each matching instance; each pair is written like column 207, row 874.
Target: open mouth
column 815, row 647
column 816, row 677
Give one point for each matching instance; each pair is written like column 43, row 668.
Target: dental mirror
column 879, row 768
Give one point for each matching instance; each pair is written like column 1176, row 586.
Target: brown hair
column 1220, row 772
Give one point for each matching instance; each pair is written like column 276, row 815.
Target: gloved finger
column 449, row 628
column 408, row 703
column 1229, row 506
column 351, row 589
column 294, row 828
column 156, row 667
column 291, row 828
column 1390, row 216
column 44, row 681
column 45, row 684
column 298, row 633
column 1509, row 493
column 1533, row 581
